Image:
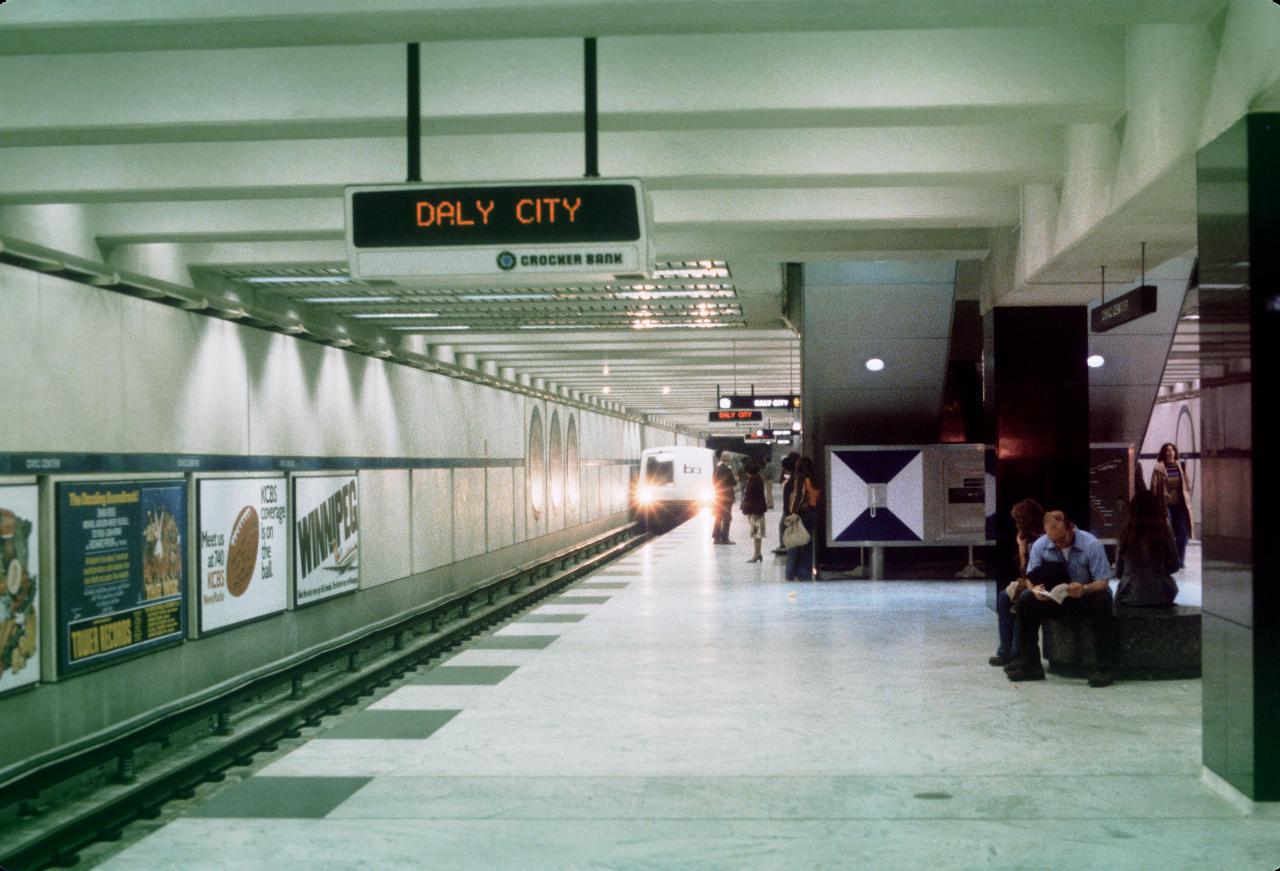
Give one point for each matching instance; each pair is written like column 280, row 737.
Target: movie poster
column 244, row 550
column 19, row 586
column 326, row 537
column 121, row 569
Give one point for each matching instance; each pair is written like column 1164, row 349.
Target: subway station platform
column 682, row 708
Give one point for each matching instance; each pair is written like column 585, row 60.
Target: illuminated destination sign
column 522, row 231
column 758, row 437
column 1124, row 308
column 783, row 401
column 741, row 416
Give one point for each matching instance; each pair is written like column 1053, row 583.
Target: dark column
column 1037, row 407
column 1238, row 181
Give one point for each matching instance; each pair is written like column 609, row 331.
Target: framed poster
column 19, row 586
column 326, row 537
column 876, row 495
column 121, row 569
column 244, row 550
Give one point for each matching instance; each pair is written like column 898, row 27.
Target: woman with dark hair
column 1028, row 517
column 805, row 496
column 786, row 479
column 1169, row 480
column 1147, row 554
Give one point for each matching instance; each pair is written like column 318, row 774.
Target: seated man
column 1088, row 596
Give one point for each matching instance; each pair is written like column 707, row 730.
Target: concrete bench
column 1153, row 643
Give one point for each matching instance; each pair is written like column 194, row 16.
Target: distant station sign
column 737, row 416
column 762, row 402
column 517, row 232
column 1124, row 308
column 759, row 437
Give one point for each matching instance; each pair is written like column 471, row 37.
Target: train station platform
column 682, row 708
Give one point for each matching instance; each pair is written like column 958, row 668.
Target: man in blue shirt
column 1088, row 596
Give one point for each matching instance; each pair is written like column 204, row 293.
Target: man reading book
column 1068, row 556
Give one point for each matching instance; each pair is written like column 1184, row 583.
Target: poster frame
column 294, row 604
column 195, row 601
column 42, row 592
column 51, row 663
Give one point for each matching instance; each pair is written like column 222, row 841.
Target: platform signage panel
column 740, row 416
column 244, row 550
column 1124, row 308
column 584, row 228
column 121, row 569
column 19, row 586
column 326, row 537
column 784, row 401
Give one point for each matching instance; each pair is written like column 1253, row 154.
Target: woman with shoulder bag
column 798, row 532
column 1147, row 555
column 1169, row 481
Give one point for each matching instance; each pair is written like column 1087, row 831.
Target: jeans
column 800, row 559
column 1093, row 607
column 724, row 514
column 1181, row 523
column 1007, row 621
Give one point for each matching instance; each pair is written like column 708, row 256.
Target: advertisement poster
column 121, row 569
column 19, row 586
column 326, row 537
column 244, row 550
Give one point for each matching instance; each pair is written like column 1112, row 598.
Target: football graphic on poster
column 242, row 551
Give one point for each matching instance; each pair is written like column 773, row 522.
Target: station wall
column 92, row 371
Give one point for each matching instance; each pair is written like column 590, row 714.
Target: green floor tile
column 515, row 642
column 391, row 725
column 300, row 798
column 465, row 675
column 581, row 600
column 552, row 618
column 601, row 585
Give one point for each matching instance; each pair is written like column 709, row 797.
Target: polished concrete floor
column 684, row 709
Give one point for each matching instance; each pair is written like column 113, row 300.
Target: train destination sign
column 776, row 401
column 740, row 416
column 520, row 231
column 1124, row 308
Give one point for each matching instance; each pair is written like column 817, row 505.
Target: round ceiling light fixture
column 875, row 364
column 724, row 402
column 1096, row 361
column 665, row 390
column 607, row 390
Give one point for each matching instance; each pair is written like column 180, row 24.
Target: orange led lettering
column 572, row 209
column 483, row 211
column 520, row 207
column 445, row 213
column 430, row 214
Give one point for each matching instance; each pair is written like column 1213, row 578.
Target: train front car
column 675, row 484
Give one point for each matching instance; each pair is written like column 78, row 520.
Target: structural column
column 1238, row 182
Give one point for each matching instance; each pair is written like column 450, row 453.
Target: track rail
column 234, row 723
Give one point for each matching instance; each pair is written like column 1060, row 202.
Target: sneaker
column 1021, row 672
column 1101, row 679
column 1000, row 660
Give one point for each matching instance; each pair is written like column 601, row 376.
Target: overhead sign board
column 515, row 233
column 1124, row 308
column 775, row 401
column 739, row 416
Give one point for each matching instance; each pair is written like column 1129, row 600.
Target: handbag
column 793, row 532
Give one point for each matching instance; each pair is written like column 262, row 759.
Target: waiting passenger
column 805, row 496
column 724, row 482
column 1028, row 517
column 786, row 479
column 1147, row 555
column 1087, row 597
column 753, row 505
column 1169, row 480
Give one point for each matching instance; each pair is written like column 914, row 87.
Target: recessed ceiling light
column 1096, row 361
column 605, row 370
column 396, row 315
column 875, row 364
column 348, row 299
column 297, row 279
column 607, row 390
column 666, row 390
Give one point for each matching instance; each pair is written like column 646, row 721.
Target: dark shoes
column 756, row 559
column 1021, row 671
column 1101, row 679
column 779, row 551
column 725, row 541
column 1000, row 660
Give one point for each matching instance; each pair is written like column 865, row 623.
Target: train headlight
column 707, row 496
column 644, row 496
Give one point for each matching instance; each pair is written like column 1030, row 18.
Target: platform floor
column 683, row 709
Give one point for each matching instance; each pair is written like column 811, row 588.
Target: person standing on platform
column 786, row 479
column 724, row 482
column 1147, row 555
column 1028, row 517
column 1081, row 561
column 1169, row 479
column 805, row 496
column 753, row 505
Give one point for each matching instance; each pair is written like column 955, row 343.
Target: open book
column 1057, row 594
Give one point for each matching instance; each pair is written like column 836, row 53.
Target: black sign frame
column 1124, row 308
column 737, row 415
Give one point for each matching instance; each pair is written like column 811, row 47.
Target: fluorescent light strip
column 395, row 315
column 505, row 297
column 297, row 279
column 567, row 326
column 318, row 300
column 432, row 328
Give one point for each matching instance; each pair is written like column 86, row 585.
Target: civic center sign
column 510, row 233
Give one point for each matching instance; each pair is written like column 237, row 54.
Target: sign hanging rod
column 590, row 117
column 413, row 111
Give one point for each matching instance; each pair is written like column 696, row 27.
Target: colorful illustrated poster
column 19, row 586
column 326, row 537
column 244, row 549
column 121, row 569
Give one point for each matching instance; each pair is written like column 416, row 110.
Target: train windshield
column 658, row 472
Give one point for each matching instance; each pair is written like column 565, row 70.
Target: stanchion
column 971, row 571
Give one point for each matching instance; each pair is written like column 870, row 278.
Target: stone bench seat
column 1153, row 643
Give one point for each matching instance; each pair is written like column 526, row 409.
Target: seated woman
column 1028, row 517
column 1147, row 555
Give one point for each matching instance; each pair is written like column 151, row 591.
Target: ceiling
column 208, row 145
